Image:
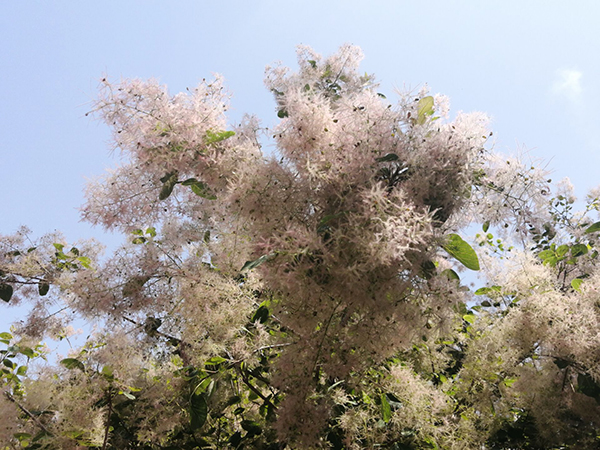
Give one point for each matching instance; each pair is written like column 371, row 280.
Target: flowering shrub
column 308, row 297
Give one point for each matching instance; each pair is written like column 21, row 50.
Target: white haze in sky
column 568, row 84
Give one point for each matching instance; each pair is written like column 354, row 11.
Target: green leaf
column 593, row 228
column 151, row 231
column 233, row 400
column 488, row 290
column 508, row 382
column 282, row 113
column 108, row 373
column 561, row 363
column 249, row 265
column 199, row 188
column 235, row 439
column 73, row 363
column 450, row 274
column 579, row 249
column 312, row 63
column 253, row 428
column 29, row 352
column 139, row 240
column 59, row 247
column 261, row 314
column 469, row 318
column 22, row 371
column 85, row 261
column 562, row 250
column 486, row 226
column 215, row 360
column 198, row 411
column 5, row 335
column 169, row 181
column 203, row 191
column 428, row 270
column 43, row 288
column 575, row 283
column 8, row 363
column 462, row 251
column 386, row 410
column 23, row 438
column 587, row 386
column 387, row 158
column 425, row 108
column 6, row 292
column 214, row 137
column 128, row 395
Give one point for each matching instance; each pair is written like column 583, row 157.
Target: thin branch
column 29, row 414
column 325, row 335
column 108, row 414
column 254, row 389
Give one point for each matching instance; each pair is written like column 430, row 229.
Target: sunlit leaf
column 386, row 410
column 576, row 283
column 425, row 109
column 85, row 261
column 214, row 137
column 462, row 251
column 215, row 360
column 469, row 318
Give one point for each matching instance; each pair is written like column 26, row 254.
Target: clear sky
column 533, row 66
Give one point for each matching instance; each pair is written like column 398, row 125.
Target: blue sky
column 532, row 66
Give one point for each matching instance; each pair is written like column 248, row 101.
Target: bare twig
column 29, row 414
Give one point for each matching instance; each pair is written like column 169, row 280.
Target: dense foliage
column 308, row 296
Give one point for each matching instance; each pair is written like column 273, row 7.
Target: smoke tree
column 310, row 296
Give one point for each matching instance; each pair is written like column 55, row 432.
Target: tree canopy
column 300, row 287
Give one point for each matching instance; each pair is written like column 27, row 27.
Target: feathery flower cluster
column 308, row 298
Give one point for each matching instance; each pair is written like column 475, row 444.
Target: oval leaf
column 169, row 181
column 579, row 249
column 386, row 410
column 575, row 283
column 198, row 411
column 215, row 360
column 249, row 265
column 72, row 363
column 462, row 251
column 43, row 288
column 387, row 158
column 6, row 292
column 253, row 428
column 593, row 228
column 425, row 108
